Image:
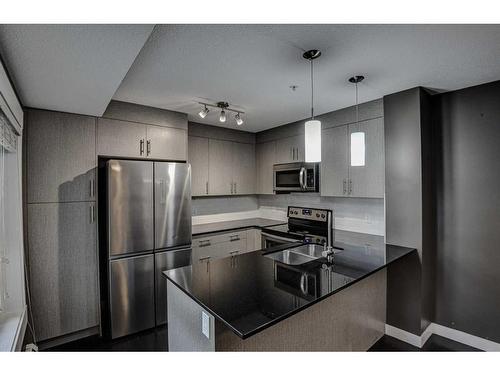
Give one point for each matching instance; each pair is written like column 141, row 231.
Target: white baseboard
column 402, row 335
column 449, row 333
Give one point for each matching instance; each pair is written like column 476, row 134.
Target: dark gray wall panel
column 217, row 132
column 146, row 115
column 403, row 169
column 468, row 277
column 410, row 205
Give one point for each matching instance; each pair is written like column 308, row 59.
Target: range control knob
column 323, row 216
column 317, row 215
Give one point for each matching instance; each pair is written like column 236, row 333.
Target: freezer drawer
column 131, row 292
column 172, row 204
column 167, row 260
column 130, row 206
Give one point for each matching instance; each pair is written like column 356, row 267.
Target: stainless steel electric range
column 309, row 225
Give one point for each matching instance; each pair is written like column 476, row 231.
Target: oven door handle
column 302, row 175
column 303, row 284
column 278, row 238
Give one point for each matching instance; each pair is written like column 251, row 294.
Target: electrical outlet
column 205, row 324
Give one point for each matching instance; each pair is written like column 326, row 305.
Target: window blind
column 8, row 143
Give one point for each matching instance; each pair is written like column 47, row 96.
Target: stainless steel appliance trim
column 131, row 293
column 130, row 207
column 301, row 178
column 172, row 203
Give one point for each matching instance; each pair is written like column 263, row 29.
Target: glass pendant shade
column 313, row 141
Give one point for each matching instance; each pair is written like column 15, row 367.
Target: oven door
column 271, row 240
column 296, row 281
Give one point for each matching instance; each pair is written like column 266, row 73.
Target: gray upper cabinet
column 221, row 167
column 339, row 175
column 120, row 138
column 198, row 158
column 368, row 181
column 290, row 149
column 243, row 168
column 166, row 143
column 61, row 157
column 220, row 179
column 265, row 159
column 334, row 161
column 63, row 267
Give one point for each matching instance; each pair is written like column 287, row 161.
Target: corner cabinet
column 220, row 167
column 198, row 158
column 265, row 159
column 339, row 178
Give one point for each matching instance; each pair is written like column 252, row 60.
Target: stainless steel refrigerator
column 148, row 231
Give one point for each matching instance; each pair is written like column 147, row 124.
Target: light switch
column 205, row 324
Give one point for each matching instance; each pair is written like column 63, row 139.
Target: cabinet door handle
column 231, row 188
column 204, row 243
column 234, row 237
column 92, row 215
column 344, row 190
column 208, row 262
column 91, row 188
column 235, row 190
column 148, row 147
column 350, row 186
column 206, row 186
column 141, row 147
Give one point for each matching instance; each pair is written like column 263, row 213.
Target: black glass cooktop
column 244, row 293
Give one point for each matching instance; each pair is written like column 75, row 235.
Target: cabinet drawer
column 219, row 246
column 219, row 238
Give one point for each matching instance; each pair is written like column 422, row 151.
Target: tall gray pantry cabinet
column 61, row 156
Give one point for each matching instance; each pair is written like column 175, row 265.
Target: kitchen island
column 252, row 302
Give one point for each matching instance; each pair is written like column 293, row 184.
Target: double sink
column 298, row 255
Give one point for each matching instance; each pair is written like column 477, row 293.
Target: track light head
column 222, row 117
column 239, row 120
column 204, row 112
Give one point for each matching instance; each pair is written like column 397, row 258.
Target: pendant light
column 312, row 129
column 357, row 138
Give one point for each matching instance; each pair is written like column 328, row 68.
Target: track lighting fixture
column 222, row 117
column 204, row 112
column 239, row 120
column 224, row 106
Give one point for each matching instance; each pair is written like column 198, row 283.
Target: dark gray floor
column 435, row 343
column 148, row 341
column 156, row 340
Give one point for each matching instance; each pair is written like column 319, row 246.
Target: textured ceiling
column 78, row 68
column 70, row 68
column 252, row 66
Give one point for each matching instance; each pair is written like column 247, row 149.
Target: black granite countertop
column 244, row 293
column 201, row 229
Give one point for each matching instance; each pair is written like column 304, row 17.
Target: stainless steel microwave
column 296, row 177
